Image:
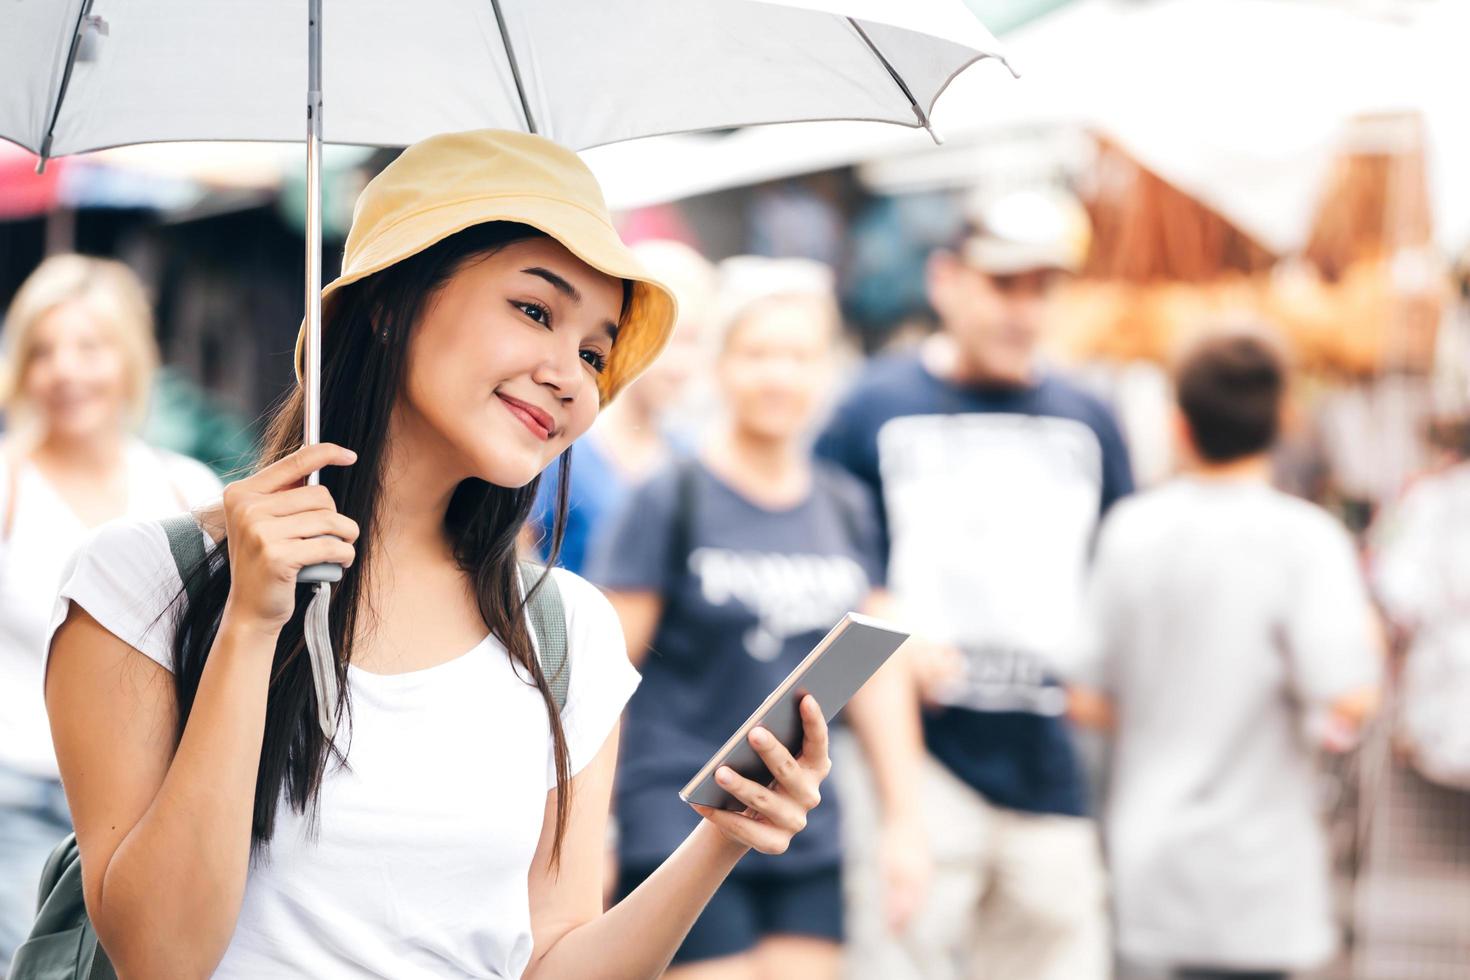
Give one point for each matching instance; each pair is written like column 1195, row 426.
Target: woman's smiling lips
column 541, row 425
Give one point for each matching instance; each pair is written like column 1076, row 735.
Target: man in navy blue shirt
column 993, row 473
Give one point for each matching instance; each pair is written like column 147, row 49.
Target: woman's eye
column 536, row 312
column 596, row 360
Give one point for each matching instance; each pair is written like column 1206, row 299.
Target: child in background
column 1228, row 634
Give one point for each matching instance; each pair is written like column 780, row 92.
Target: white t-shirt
column 43, row 534
column 1219, row 616
column 419, row 867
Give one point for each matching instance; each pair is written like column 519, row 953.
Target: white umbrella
column 78, row 75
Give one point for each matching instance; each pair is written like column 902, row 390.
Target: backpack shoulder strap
column 186, row 545
column 549, row 622
column 681, row 527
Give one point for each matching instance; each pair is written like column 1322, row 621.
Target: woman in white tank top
column 453, row 823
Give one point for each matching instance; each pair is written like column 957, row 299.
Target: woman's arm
column 639, row 613
column 164, row 828
column 638, row 937
column 164, row 833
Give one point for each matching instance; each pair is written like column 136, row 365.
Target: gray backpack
column 62, row 944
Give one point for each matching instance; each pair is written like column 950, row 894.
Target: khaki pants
column 1014, row 896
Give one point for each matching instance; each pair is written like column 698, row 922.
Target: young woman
column 726, row 569
column 74, row 385
column 454, row 826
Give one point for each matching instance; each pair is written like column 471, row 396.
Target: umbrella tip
column 44, row 155
column 922, row 120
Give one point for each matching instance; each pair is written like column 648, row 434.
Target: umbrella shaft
column 313, row 374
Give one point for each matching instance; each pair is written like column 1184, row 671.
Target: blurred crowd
column 1105, row 748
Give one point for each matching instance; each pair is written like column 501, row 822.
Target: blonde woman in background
column 79, row 357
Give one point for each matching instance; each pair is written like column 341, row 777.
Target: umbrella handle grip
column 326, row 571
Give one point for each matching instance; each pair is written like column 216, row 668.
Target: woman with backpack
column 726, row 569
column 74, row 386
column 433, row 804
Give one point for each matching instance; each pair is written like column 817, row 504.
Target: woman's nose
column 561, row 367
column 65, row 369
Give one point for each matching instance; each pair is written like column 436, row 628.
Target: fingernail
column 760, row 736
column 724, row 775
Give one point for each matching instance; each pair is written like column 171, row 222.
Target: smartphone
column 832, row 673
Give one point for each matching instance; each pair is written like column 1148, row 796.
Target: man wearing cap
column 993, row 473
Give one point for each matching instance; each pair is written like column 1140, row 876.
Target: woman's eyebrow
column 571, row 293
column 560, row 284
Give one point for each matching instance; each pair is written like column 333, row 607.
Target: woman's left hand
column 774, row 815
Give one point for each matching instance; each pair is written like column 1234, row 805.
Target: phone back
column 850, row 654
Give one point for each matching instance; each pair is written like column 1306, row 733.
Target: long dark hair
column 365, row 338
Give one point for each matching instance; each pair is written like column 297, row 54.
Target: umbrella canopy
column 79, row 75
column 393, row 73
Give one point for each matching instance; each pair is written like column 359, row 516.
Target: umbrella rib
column 71, row 61
column 515, row 69
column 903, row 86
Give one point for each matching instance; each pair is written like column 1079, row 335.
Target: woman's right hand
column 774, row 814
column 275, row 526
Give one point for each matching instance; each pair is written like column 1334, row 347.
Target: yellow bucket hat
column 448, row 183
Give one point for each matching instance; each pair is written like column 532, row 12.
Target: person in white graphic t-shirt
column 993, row 472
